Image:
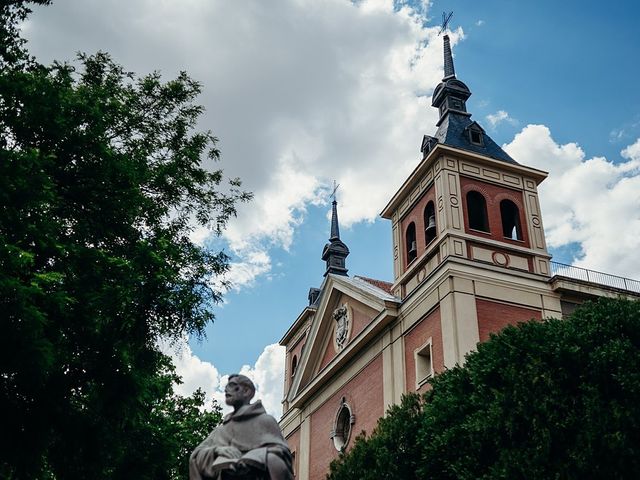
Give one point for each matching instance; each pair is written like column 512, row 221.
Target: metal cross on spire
column 335, row 189
column 449, row 71
column 446, row 18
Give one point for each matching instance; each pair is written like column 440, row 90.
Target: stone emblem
column 341, row 316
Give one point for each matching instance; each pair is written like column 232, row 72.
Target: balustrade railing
column 592, row 276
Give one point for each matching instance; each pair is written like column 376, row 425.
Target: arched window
column 477, row 211
column 294, row 365
column 412, row 245
column 510, row 220
column 429, row 223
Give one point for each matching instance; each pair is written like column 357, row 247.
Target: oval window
column 342, row 431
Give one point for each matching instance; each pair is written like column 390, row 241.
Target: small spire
column 335, row 229
column 335, row 252
column 449, row 71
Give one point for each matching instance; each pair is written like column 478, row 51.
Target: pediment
column 347, row 308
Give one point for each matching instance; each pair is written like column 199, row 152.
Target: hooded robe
column 252, row 431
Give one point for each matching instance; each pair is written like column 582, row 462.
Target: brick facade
column 364, row 395
column 494, row 316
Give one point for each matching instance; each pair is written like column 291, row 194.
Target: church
column 469, row 258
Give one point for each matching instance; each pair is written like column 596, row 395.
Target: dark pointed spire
column 335, row 229
column 335, row 252
column 449, row 71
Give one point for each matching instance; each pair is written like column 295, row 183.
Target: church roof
column 366, row 285
column 454, row 131
column 381, row 284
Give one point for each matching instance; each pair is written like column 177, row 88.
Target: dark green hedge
column 542, row 400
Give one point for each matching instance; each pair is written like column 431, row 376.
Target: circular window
column 342, row 430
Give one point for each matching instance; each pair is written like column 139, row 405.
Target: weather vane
column 335, row 188
column 446, row 18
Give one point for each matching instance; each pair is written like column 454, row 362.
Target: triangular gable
column 359, row 316
column 336, row 291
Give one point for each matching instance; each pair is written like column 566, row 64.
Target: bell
column 431, row 225
column 414, row 247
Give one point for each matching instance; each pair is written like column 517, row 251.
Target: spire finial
column 446, row 18
column 335, row 189
column 449, row 71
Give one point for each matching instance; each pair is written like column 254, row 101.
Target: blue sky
column 302, row 92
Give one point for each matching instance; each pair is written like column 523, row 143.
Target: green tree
column 102, row 179
column 181, row 423
column 551, row 399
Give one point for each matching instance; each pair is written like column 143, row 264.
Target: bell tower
column 467, row 200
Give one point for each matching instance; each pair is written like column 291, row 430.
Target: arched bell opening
column 511, row 227
column 430, row 231
column 477, row 211
column 411, row 243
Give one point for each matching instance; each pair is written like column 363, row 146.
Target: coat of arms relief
column 342, row 330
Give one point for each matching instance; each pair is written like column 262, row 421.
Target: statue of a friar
column 247, row 446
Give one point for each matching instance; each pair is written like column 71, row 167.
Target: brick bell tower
column 468, row 216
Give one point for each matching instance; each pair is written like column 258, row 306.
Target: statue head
column 239, row 390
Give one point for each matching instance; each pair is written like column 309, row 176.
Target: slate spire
column 335, row 229
column 449, row 71
column 335, row 252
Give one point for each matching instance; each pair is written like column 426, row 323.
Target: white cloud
column 632, row 152
column 479, row 23
column 195, row 372
column 500, row 116
column 616, row 135
column 593, row 201
column 628, row 130
column 267, row 374
column 300, row 93
column 242, row 274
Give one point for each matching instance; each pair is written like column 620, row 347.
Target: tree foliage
column 101, row 182
column 552, row 399
column 180, row 424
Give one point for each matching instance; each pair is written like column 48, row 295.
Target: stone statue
column 247, row 446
